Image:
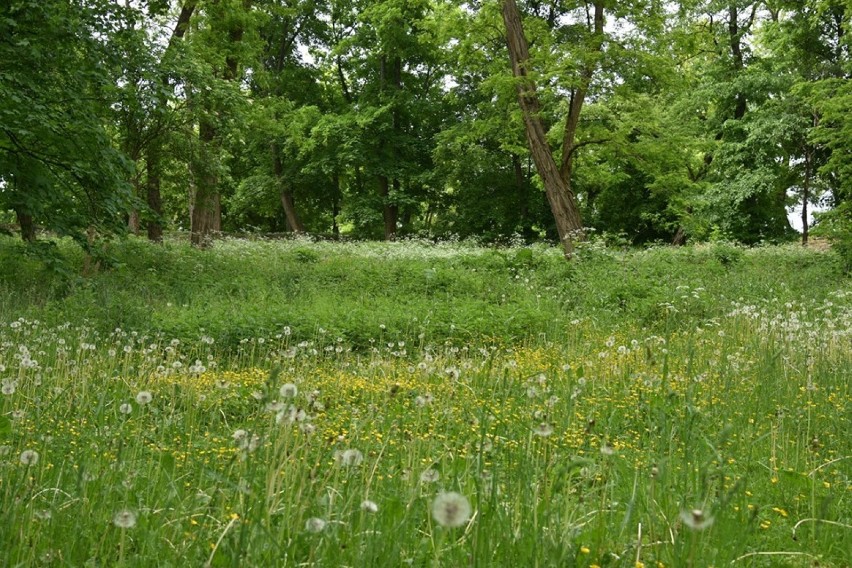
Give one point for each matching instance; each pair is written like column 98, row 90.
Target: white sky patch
column 794, row 214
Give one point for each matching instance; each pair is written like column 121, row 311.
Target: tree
column 218, row 41
column 556, row 179
column 57, row 164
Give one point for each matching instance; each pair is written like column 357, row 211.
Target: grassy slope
column 247, row 289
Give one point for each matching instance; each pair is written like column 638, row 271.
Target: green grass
column 584, row 410
column 448, row 291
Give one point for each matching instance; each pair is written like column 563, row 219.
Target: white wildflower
column 451, row 509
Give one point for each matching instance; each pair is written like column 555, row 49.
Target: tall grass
column 641, row 415
column 441, row 291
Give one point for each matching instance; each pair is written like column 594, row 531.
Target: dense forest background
column 648, row 120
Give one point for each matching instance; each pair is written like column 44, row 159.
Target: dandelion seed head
column 430, row 476
column 544, row 430
column 315, row 525
column 124, row 519
column 144, row 397
column 288, row 390
column 451, row 509
column 349, row 458
column 29, row 457
column 125, row 408
column 369, row 506
column 696, row 519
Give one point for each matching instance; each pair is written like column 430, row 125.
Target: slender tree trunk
column 806, row 195
column 154, row 199
column 563, row 203
column 335, row 207
column 153, row 152
column 740, row 103
column 25, row 222
column 578, row 97
column 294, row 223
column 133, row 152
column 390, row 211
column 397, row 127
column 523, row 198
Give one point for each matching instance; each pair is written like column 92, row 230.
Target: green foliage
column 57, row 163
column 836, row 226
column 357, row 111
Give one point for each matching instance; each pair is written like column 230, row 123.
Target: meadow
column 417, row 404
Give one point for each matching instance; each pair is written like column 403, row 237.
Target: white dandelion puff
column 288, row 390
column 544, row 430
column 29, row 457
column 451, row 509
column 315, row 525
column 349, row 458
column 144, row 397
column 125, row 408
column 696, row 519
column 124, row 519
column 430, row 476
column 369, row 506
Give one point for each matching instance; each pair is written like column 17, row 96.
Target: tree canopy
column 642, row 121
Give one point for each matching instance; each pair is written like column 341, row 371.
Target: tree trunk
column 154, row 199
column 25, row 221
column 563, row 203
column 335, row 207
column 132, row 148
column 205, row 210
column 523, row 198
column 133, row 222
column 294, row 223
column 806, row 189
column 735, row 38
column 390, row 211
column 578, row 97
